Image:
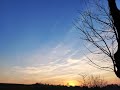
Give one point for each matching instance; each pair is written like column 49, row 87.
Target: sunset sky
column 39, row 43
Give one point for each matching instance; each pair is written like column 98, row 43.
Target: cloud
column 69, row 69
column 72, row 61
column 60, row 62
column 67, row 48
column 63, row 68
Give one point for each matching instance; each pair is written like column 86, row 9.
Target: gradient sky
column 38, row 42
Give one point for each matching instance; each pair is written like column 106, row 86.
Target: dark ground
column 4, row 86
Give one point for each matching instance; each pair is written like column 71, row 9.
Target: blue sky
column 38, row 38
column 30, row 24
column 27, row 25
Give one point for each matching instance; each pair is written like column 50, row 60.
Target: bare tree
column 92, row 81
column 84, row 76
column 115, row 13
column 96, row 81
column 101, row 27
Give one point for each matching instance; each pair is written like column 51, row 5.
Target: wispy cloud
column 67, row 70
column 58, row 63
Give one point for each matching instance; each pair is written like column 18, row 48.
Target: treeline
column 37, row 86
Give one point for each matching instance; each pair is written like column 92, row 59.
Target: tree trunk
column 115, row 13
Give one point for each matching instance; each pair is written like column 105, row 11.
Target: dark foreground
column 52, row 87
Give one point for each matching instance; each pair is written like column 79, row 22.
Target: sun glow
column 72, row 83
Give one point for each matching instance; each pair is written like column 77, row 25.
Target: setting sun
column 72, row 83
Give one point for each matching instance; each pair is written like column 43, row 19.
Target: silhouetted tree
column 101, row 28
column 115, row 13
column 92, row 81
column 84, row 79
column 96, row 81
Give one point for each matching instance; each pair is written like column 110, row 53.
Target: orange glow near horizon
column 72, row 83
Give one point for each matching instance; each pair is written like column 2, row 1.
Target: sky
column 39, row 43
